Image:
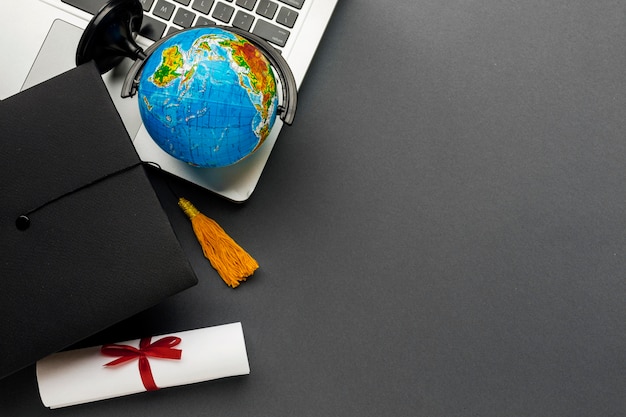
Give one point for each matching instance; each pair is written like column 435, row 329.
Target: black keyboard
column 269, row 19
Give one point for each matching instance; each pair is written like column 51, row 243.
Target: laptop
column 42, row 36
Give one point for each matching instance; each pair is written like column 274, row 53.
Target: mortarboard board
column 99, row 247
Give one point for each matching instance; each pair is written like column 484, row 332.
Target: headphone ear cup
column 108, row 37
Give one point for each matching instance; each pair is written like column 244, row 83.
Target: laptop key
column 203, row 21
column 172, row 29
column 164, row 9
column 243, row 20
column 223, row 12
column 184, row 18
column 183, row 2
column 246, row 4
column 152, row 28
column 203, row 6
column 294, row 3
column 146, row 4
column 89, row 6
column 287, row 17
column 271, row 33
column 267, row 8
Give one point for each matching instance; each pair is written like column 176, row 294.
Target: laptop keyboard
column 273, row 20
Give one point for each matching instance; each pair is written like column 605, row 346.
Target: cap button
column 22, row 222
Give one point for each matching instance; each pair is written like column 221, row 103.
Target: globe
column 207, row 97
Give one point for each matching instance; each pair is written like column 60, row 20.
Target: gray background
column 441, row 233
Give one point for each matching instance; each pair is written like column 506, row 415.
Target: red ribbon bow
column 162, row 348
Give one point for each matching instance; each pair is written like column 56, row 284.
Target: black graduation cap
column 85, row 242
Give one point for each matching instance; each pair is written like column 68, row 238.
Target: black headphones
column 109, row 38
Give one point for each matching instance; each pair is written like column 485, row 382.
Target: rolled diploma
column 79, row 376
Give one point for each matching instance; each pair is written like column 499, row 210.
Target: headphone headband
column 286, row 111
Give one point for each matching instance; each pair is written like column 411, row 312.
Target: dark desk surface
column 441, row 233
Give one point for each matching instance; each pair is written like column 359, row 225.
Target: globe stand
column 108, row 38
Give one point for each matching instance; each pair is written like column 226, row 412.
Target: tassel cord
column 229, row 259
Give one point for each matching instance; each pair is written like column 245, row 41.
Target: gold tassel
column 228, row 258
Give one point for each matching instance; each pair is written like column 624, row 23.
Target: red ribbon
column 162, row 348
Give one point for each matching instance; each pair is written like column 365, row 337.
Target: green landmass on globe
column 208, row 97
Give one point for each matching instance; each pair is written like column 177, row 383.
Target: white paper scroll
column 80, row 376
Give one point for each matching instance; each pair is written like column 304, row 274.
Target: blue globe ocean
column 207, row 97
